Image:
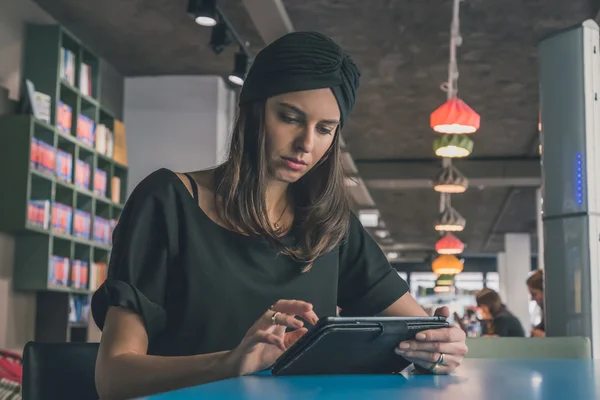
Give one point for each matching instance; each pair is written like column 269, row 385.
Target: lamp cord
column 451, row 87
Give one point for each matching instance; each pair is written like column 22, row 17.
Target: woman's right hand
column 267, row 339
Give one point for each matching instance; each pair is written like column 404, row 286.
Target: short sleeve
column 142, row 252
column 368, row 284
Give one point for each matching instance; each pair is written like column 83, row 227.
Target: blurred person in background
column 535, row 284
column 500, row 321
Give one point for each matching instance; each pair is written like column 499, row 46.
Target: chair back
column 519, row 347
column 59, row 371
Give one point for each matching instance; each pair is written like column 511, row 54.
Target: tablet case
column 340, row 346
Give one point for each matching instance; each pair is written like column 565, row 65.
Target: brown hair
column 491, row 299
column 536, row 280
column 322, row 210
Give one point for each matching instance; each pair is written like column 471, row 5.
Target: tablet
column 346, row 345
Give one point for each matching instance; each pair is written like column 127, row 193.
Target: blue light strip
column 579, row 179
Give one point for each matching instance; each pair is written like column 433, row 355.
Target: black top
column 507, row 325
column 199, row 286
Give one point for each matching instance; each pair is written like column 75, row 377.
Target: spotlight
column 219, row 38
column 239, row 71
column 204, row 12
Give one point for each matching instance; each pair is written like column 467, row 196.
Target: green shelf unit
column 42, row 64
column 36, row 245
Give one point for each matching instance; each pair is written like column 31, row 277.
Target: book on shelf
column 115, row 189
column 79, row 309
column 102, row 231
column 98, row 273
column 64, row 166
column 38, row 213
column 85, row 79
column 64, row 118
column 100, row 182
column 58, row 271
column 79, row 274
column 85, row 129
column 105, row 141
column 67, row 66
column 82, row 174
column 43, row 156
column 62, row 217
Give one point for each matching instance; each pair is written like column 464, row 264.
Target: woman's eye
column 288, row 119
column 324, row 131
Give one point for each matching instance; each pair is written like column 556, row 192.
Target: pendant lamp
column 454, row 117
column 453, row 146
column 449, row 244
column 450, row 180
column 450, row 221
column 447, row 264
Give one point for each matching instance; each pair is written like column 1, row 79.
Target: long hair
column 322, row 210
column 536, row 280
column 491, row 299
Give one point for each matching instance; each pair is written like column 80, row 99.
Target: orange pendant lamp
column 449, row 244
column 447, row 264
column 454, row 117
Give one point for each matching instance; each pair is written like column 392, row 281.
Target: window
column 493, row 281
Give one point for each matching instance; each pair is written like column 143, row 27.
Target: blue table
column 475, row 379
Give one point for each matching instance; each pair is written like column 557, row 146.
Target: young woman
column 501, row 322
column 535, row 284
column 214, row 273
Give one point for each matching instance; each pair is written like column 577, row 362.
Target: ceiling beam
column 269, row 17
column 419, row 174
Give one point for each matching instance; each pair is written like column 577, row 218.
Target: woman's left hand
column 439, row 351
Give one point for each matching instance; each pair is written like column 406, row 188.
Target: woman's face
column 537, row 296
column 300, row 128
column 485, row 312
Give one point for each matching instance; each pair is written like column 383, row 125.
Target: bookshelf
column 63, row 191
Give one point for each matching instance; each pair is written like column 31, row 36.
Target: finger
column 268, row 338
column 292, row 337
column 453, row 334
column 438, row 370
column 286, row 320
column 424, row 357
column 456, row 348
column 296, row 307
column 442, row 312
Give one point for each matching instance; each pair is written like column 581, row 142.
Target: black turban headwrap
column 301, row 61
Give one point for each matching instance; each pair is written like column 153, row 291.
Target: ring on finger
column 440, row 360
column 433, row 369
column 275, row 316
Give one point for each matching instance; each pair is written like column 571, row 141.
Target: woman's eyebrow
column 303, row 114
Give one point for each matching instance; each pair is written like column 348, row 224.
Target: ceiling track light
column 203, row 12
column 238, row 75
column 450, row 221
column 220, row 38
column 450, row 180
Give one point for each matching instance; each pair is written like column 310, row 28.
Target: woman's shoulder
column 156, row 184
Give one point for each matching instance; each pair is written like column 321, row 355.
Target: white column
column 502, row 276
column 518, row 266
column 178, row 122
column 540, row 228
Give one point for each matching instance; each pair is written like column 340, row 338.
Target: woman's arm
column 405, row 306
column 124, row 370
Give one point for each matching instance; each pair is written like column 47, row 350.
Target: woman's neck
column 276, row 199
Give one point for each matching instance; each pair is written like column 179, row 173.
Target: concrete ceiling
column 402, row 50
